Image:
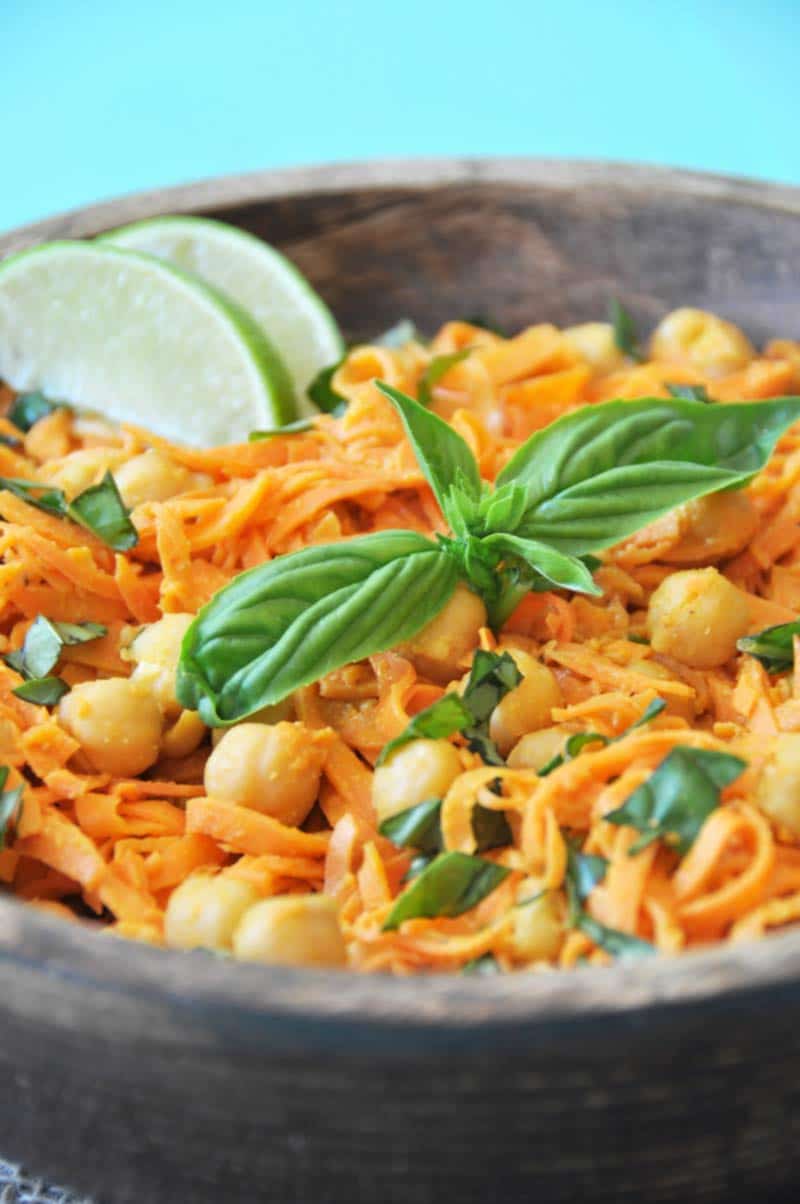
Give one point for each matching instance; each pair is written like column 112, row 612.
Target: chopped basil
column 39, row 654
column 418, row 864
column 9, row 441
column 487, row 323
column 416, row 827
column 678, row 797
column 578, row 741
column 44, row 691
column 419, row 827
column 774, row 646
column 689, row 392
column 490, row 679
column 99, row 509
column 323, row 394
column 27, row 409
column 290, row 428
column 584, row 872
column 10, row 801
column 452, row 884
column 625, row 336
column 638, row 639
column 439, row 366
column 482, row 966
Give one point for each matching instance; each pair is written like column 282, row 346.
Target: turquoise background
column 102, row 98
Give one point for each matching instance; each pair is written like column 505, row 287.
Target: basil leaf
column 677, row 799
column 482, row 966
column 690, row 393
column 290, row 428
column 452, row 884
column 43, row 642
column 418, row 864
column 619, row 944
column 101, row 510
column 27, row 409
column 446, row 461
column 559, row 570
column 323, row 394
column 442, row 718
column 625, row 337
column 439, row 366
column 578, row 741
column 398, row 335
column 44, row 691
column 774, row 646
column 604, row 471
column 490, row 828
column 416, row 827
column 584, row 873
column 10, row 801
column 286, row 623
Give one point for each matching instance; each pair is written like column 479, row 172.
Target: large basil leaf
column 677, row 799
column 444, row 457
column 774, row 646
column 597, row 475
column 286, row 623
column 452, row 884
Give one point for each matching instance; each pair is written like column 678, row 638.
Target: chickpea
column 696, row 616
column 594, row 342
column 153, row 477
column 538, row 927
column 156, row 651
column 203, row 912
column 527, row 707
column 535, row 749
column 117, row 723
column 291, row 930
column 439, row 649
column 81, row 469
column 414, row 772
column 701, row 340
column 273, row 769
column 185, row 735
column 778, row 790
column 714, row 527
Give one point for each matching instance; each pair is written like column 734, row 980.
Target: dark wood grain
column 150, row 1077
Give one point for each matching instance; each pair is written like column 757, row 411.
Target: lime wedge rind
column 138, row 340
column 254, row 275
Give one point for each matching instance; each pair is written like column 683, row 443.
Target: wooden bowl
column 147, row 1077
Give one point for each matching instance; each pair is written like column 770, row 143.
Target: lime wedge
column 296, row 321
column 139, row 341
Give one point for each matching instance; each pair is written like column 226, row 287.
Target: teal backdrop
column 102, row 98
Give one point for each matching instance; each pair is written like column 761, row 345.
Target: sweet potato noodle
column 136, row 818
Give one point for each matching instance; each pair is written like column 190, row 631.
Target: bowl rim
column 438, row 1007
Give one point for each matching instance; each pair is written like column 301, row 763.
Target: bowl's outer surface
column 148, row 1077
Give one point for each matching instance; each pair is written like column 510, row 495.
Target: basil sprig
column 677, row 799
column 99, row 509
column 492, row 676
column 10, row 803
column 40, row 653
column 584, row 872
column 452, row 884
column 582, row 484
column 774, row 646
